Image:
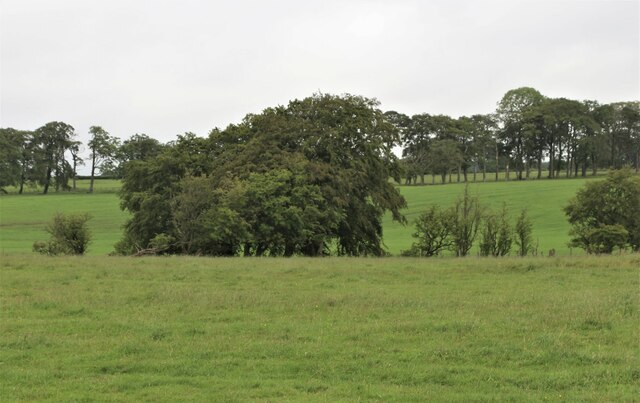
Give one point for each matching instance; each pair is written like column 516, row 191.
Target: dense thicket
column 302, row 179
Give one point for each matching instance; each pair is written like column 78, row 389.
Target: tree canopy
column 305, row 179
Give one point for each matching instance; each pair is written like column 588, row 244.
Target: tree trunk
column 497, row 162
column 484, row 171
column 540, row 166
column 47, row 180
column 552, row 156
column 506, row 176
column 75, row 165
column 594, row 168
column 458, row 172
column 93, row 170
column 422, row 179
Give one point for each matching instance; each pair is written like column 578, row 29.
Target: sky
column 166, row 67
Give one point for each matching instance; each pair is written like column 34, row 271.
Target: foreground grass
column 168, row 329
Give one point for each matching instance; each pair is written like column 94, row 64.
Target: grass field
column 395, row 329
column 23, row 217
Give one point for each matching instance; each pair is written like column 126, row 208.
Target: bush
column 601, row 208
column 523, row 230
column 433, row 233
column 497, row 234
column 69, row 236
column 466, row 221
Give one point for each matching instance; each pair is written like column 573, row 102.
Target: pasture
column 23, row 217
column 332, row 329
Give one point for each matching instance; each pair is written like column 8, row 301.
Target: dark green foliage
column 601, row 210
column 103, row 148
column 466, row 222
column 69, row 235
column 51, row 141
column 11, row 144
column 523, row 233
column 292, row 180
column 603, row 239
column 433, row 233
column 497, row 234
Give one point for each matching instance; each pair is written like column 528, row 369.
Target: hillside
column 23, row 217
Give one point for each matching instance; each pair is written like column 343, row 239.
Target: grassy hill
column 23, row 217
column 334, row 329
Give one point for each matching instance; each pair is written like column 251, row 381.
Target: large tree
column 511, row 113
column 103, row 148
column 307, row 178
column 52, row 141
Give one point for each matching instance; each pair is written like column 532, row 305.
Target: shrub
column 466, row 222
column 523, row 231
column 601, row 208
column 433, row 233
column 69, row 235
column 497, row 234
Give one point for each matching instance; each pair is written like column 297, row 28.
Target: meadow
column 331, row 329
column 23, row 217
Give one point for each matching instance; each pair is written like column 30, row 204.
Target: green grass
column 544, row 200
column 82, row 186
column 396, row 329
column 23, row 217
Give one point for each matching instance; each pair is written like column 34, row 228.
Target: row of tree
column 50, row 155
column 528, row 133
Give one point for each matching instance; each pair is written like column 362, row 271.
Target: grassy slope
column 544, row 200
column 167, row 329
column 23, row 217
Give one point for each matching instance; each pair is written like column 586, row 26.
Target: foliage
column 51, row 141
column 466, row 218
column 292, row 180
column 69, row 235
column 103, row 149
column 433, row 230
column 523, row 233
column 497, row 234
column 600, row 208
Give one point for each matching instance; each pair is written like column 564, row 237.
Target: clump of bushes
column 456, row 229
column 70, row 235
column 606, row 214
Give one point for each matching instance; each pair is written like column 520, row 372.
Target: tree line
column 528, row 133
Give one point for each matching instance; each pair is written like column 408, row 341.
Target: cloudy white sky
column 166, row 67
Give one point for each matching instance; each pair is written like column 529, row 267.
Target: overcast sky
column 166, row 67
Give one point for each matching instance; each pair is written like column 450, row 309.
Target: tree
column 465, row 221
column 12, row 143
column 444, row 156
column 51, row 142
column 138, row 147
column 103, row 148
column 511, row 113
column 70, row 235
column 292, row 180
column 601, row 208
column 77, row 160
column 523, row 233
column 433, row 230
